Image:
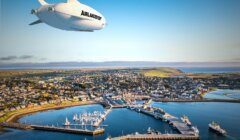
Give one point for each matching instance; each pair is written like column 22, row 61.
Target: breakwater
column 156, row 137
column 53, row 128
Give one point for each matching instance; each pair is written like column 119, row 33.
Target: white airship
column 71, row 16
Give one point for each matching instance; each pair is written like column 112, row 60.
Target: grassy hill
column 162, row 72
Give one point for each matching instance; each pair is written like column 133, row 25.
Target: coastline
column 13, row 117
column 202, row 100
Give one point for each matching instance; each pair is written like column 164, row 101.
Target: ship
column 216, row 128
column 186, row 120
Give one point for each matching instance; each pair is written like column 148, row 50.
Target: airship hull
column 70, row 16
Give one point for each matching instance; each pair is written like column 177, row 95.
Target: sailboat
column 75, row 117
column 67, row 123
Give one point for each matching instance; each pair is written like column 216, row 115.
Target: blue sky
column 138, row 30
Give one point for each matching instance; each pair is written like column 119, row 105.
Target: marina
column 117, row 125
column 91, row 119
column 96, row 118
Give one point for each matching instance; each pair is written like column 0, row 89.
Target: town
column 29, row 90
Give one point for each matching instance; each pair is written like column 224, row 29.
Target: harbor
column 117, row 124
column 181, row 125
column 90, row 123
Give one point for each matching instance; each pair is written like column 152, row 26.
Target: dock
column 87, row 125
column 53, row 128
column 182, row 128
column 103, row 117
column 156, row 137
column 68, row 130
column 177, row 124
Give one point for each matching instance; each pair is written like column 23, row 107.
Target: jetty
column 69, row 130
column 102, row 118
column 53, row 128
column 156, row 137
column 101, row 125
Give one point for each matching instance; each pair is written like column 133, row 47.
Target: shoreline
column 15, row 116
column 203, row 100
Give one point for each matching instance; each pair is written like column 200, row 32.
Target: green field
column 161, row 72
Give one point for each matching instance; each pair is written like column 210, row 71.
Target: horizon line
column 115, row 64
column 120, row 61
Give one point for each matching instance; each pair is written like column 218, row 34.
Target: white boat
column 186, row 120
column 67, row 123
column 149, row 131
column 216, row 128
column 75, row 117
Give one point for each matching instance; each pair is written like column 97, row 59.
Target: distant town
column 20, row 89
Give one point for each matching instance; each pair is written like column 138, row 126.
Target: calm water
column 223, row 94
column 124, row 121
column 209, row 69
column 201, row 114
column 184, row 69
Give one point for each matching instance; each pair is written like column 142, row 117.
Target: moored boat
column 67, row 123
column 216, row 128
column 186, row 120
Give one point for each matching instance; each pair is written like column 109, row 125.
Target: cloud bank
column 14, row 58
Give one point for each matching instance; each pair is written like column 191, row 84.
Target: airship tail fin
column 42, row 2
column 36, row 22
